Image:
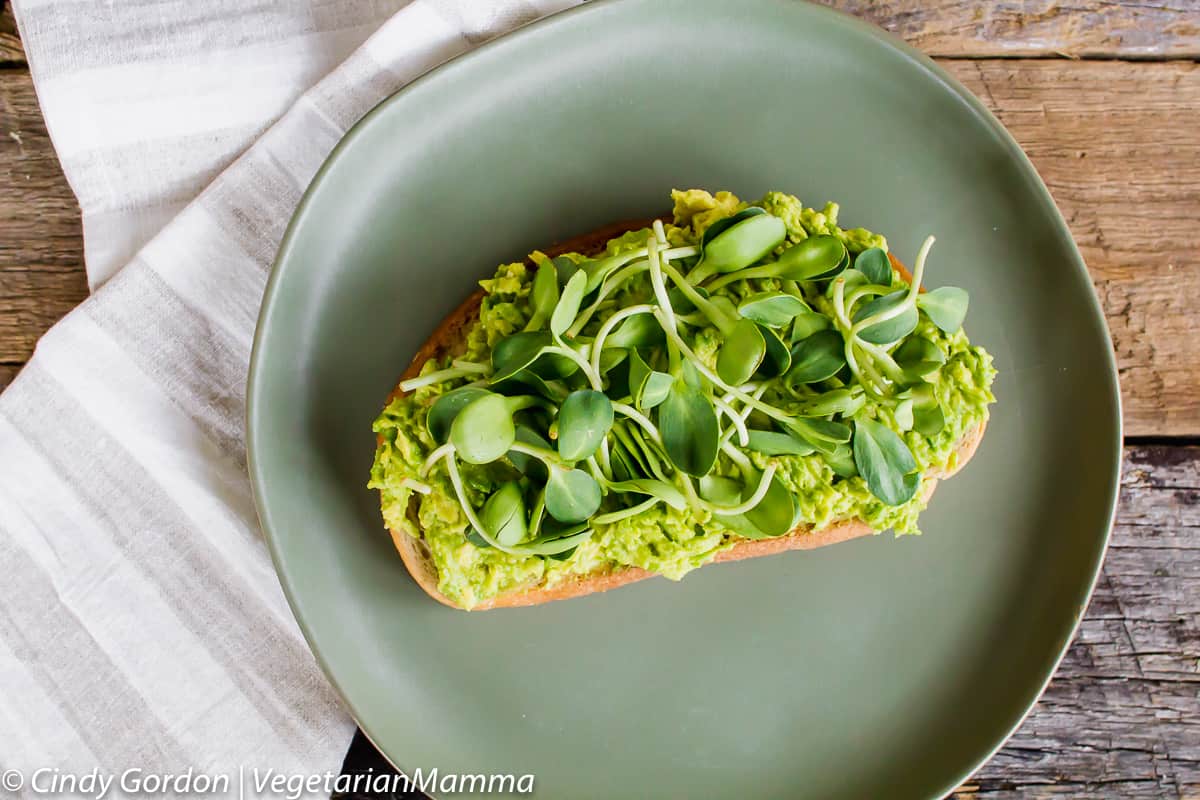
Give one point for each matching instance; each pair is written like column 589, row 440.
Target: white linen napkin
column 141, row 622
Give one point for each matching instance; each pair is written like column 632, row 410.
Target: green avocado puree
column 663, row 540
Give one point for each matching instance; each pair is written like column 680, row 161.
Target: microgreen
column 571, row 495
column 689, row 429
column 874, row 265
column 639, row 405
column 946, row 306
column 885, row 462
column 817, row 358
column 483, row 431
column 773, row 309
column 584, row 419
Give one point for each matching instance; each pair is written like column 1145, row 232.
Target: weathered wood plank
column 1116, row 144
column 7, row 373
column 11, row 53
column 1122, row 716
column 1136, row 29
column 41, row 247
column 1080, row 29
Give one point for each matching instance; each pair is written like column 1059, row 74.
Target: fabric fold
column 143, row 623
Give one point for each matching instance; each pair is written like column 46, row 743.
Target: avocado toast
column 737, row 381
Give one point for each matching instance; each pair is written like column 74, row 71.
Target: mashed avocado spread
column 872, row 391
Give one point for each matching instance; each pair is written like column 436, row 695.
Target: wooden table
column 1105, row 98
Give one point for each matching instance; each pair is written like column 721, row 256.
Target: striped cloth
column 141, row 623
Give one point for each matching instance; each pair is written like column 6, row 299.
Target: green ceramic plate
column 876, row 668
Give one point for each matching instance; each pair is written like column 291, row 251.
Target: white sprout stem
column 660, row 232
column 605, row 460
column 735, row 420
column 434, row 457
column 913, row 289
column 760, row 492
column 598, row 474
column 880, row 354
column 862, row 292
column 438, row 376
column 547, row 457
column 709, row 309
column 660, row 287
column 416, row 486
column 471, row 366
column 616, row 281
column 539, row 510
column 640, row 418
column 744, row 414
column 618, row 278
column 632, row 511
column 616, row 319
column 770, row 411
column 592, row 375
column 846, row 329
column 735, row 455
column 649, row 452
column 461, row 492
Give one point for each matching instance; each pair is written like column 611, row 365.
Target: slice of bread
column 447, row 340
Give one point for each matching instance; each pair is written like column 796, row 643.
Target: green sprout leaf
column 841, row 461
column 918, row 357
column 660, row 490
column 584, row 419
column 892, row 330
column 525, row 463
column 504, row 514
column 725, row 223
column 689, row 428
column 874, row 264
column 928, row 421
column 808, row 323
column 773, row 443
column 845, row 401
column 640, row 330
column 885, row 462
column 742, row 352
column 544, row 295
column 647, row 387
column 778, row 358
column 559, row 541
column 483, row 431
column 823, row 435
column 817, row 358
column 773, row 309
column 443, row 411
column 816, row 258
column 571, row 495
column 775, row 515
column 946, row 306
column 741, row 244
column 568, row 305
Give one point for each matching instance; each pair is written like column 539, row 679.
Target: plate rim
column 255, row 379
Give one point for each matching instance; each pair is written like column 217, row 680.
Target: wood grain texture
column 11, row 53
column 1080, row 29
column 1136, row 29
column 41, row 247
column 1116, row 143
column 1122, row 716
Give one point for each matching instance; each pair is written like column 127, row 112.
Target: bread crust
column 447, row 340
